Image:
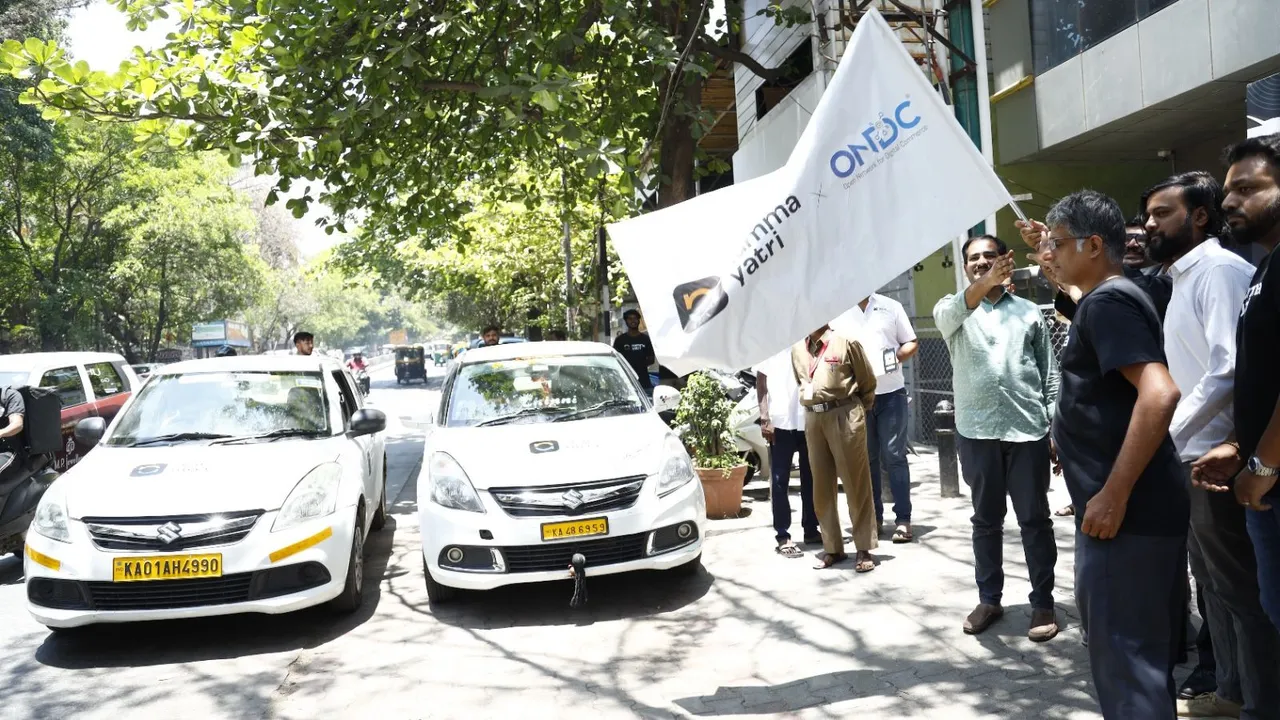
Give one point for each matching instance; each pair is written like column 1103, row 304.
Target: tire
column 380, row 516
column 689, row 569
column 352, row 595
column 753, row 466
column 437, row 594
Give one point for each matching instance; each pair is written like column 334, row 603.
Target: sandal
column 829, row 559
column 788, row 550
column 1067, row 511
column 902, row 534
column 865, row 564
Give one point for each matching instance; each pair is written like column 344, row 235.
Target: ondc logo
column 879, row 135
column 699, row 301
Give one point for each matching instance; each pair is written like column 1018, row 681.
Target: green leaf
column 547, row 100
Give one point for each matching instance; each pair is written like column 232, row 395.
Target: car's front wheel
column 437, row 594
column 353, row 590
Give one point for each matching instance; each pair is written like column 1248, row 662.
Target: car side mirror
column 368, row 421
column 665, row 398
column 90, row 430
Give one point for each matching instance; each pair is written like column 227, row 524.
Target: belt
column 829, row 406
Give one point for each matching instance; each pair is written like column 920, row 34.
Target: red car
column 90, row 384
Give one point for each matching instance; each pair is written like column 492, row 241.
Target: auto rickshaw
column 441, row 353
column 411, row 363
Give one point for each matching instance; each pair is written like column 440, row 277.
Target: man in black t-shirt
column 636, row 347
column 12, row 412
column 1112, row 435
column 1252, row 208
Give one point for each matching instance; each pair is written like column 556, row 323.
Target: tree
column 384, row 107
column 186, row 257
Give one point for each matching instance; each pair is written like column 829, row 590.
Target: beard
column 1162, row 248
column 1255, row 229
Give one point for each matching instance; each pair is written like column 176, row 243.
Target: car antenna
column 578, row 569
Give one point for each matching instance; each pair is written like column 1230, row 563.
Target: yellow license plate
column 575, row 529
column 170, row 567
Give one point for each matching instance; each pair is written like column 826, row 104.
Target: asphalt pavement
column 755, row 634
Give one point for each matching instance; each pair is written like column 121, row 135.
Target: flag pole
column 1013, row 204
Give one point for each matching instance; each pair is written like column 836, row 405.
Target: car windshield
column 542, row 389
column 224, row 404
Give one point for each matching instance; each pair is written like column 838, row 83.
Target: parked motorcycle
column 21, row 492
column 744, row 425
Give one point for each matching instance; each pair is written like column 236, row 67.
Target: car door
column 69, row 384
column 349, row 401
column 110, row 387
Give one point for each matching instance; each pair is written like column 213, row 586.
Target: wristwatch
column 1256, row 467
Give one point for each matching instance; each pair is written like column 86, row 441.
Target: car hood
column 188, row 478
column 535, row 454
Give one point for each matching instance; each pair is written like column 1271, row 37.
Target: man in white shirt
column 890, row 341
column 782, row 423
column 1209, row 286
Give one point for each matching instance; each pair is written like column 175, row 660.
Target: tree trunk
column 678, row 150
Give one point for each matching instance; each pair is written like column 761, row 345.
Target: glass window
column 1062, row 29
column 67, row 383
column 345, row 397
column 13, row 378
column 542, row 389
column 105, row 380
column 1149, row 7
column 234, row 404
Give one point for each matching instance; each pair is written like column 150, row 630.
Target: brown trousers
column 837, row 442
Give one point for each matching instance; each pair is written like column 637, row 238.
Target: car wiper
column 503, row 419
column 273, row 435
column 177, row 437
column 598, row 408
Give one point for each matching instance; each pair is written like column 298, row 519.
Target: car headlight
column 450, row 486
column 315, row 496
column 51, row 516
column 677, row 470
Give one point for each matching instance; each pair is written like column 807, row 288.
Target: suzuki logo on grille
column 572, row 499
column 169, row 532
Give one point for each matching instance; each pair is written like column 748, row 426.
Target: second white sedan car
column 541, row 451
column 229, row 485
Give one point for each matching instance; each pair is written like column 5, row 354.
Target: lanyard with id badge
column 806, row 389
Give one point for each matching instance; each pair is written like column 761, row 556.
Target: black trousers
column 1020, row 470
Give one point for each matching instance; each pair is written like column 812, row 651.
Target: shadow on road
column 183, row 641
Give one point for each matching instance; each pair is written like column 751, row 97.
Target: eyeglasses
column 1140, row 237
column 1051, row 243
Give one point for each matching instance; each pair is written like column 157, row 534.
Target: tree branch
column 727, row 53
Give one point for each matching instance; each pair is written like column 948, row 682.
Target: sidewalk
column 889, row 643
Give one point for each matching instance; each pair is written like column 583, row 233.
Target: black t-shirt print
column 637, row 349
column 1257, row 348
column 1115, row 326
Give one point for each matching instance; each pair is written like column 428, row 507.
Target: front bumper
column 628, row 546
column 70, row 584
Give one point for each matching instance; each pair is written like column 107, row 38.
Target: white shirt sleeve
column 906, row 333
column 1219, row 299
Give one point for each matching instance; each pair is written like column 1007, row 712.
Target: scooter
column 744, row 425
column 22, row 489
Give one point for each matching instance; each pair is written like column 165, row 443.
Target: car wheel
column 753, row 466
column 437, row 594
column 353, row 591
column 689, row 569
column 380, row 517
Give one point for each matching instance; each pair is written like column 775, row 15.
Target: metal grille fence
column 928, row 374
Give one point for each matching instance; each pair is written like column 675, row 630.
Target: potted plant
column 703, row 416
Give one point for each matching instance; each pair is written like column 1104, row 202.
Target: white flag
column 882, row 176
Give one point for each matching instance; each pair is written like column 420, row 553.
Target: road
column 755, row 634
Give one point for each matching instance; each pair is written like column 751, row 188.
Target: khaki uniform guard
column 837, row 389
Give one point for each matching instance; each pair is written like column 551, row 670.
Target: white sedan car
column 229, row 485
column 543, row 450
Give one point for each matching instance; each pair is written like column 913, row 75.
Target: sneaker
column 1200, row 682
column 1044, row 625
column 981, row 618
column 1209, row 705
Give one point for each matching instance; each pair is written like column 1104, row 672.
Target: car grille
column 168, row 534
column 169, row 594
column 571, row 500
column 556, row 556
